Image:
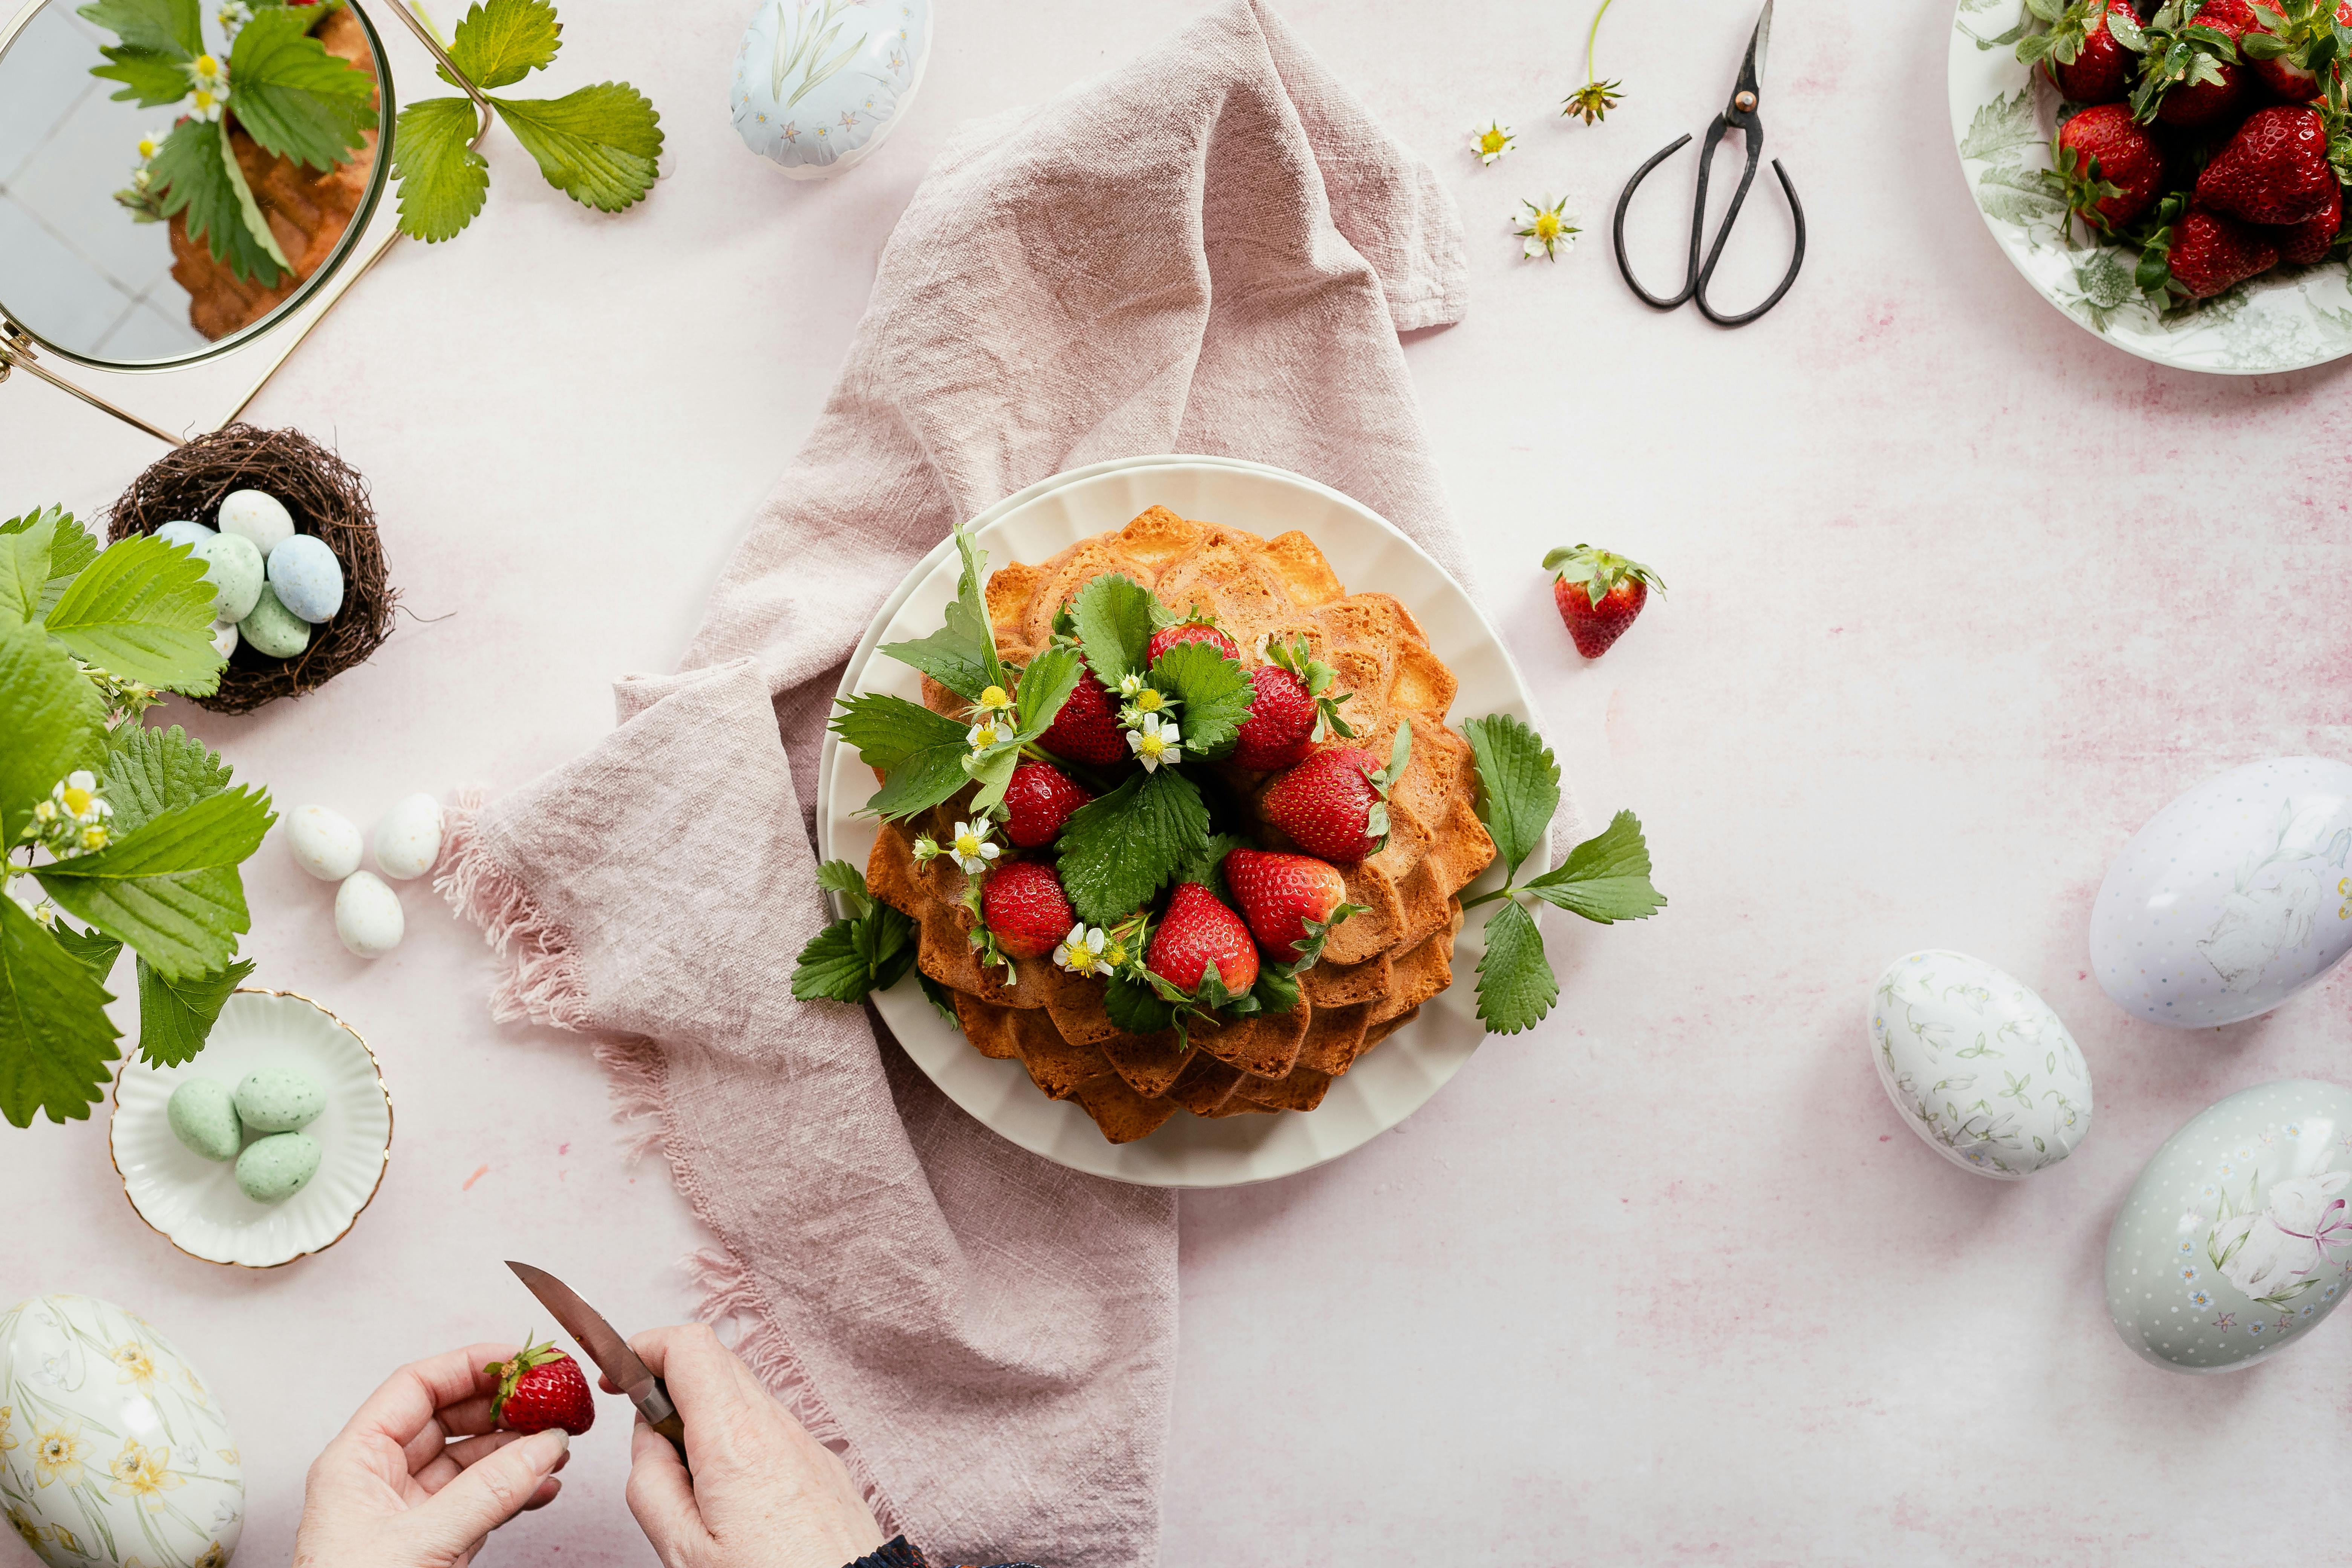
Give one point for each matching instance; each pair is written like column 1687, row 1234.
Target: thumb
column 490, row 1491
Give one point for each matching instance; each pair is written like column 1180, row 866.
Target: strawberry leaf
column 443, row 181
column 852, row 958
column 500, row 44
column 1113, row 617
column 1606, row 878
column 1120, row 848
column 1215, row 692
column 70, row 550
column 173, row 27
column 1208, row 868
column 169, row 889
column 148, row 771
column 52, row 719
column 176, row 1017
column 55, row 1036
column 199, row 179
column 1275, row 992
column 1518, row 786
column 1044, row 686
column 1516, row 985
column 1136, row 1007
column 961, row 655
column 841, row 877
column 597, row 146
column 143, row 611
column 292, row 96
column 941, row 999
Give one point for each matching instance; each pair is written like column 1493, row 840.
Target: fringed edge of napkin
column 541, row 983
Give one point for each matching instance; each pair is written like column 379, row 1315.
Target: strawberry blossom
column 1155, row 741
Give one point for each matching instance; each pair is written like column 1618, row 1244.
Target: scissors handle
column 1701, row 273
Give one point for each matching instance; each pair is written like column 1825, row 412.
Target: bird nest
column 326, row 497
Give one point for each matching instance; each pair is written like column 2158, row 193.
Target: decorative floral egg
column 2232, row 898
column 1980, row 1068
column 111, row 1449
column 2237, row 1240
column 819, row 84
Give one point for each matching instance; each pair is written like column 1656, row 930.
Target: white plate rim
column 949, row 1059
column 2286, row 300
column 383, row 1161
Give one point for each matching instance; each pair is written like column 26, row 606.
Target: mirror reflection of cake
column 307, row 210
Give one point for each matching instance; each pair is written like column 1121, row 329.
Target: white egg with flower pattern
column 1981, row 1068
column 111, row 1449
column 2232, row 898
column 820, row 84
column 2236, row 1240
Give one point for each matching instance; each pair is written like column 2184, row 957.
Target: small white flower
column 1080, row 952
column 926, row 850
column 151, row 143
column 972, row 849
column 1492, row 143
column 209, row 89
column 1155, row 741
column 1129, row 685
column 984, row 734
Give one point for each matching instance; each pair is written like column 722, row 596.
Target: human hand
column 393, row 1491
column 763, row 1494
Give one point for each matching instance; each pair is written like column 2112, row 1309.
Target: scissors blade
column 1751, row 73
column 588, row 1328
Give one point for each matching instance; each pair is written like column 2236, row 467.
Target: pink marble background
column 1959, row 596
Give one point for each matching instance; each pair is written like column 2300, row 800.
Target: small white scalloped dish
column 195, row 1203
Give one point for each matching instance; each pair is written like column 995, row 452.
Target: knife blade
column 608, row 1349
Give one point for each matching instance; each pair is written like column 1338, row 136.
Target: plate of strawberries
column 2168, row 173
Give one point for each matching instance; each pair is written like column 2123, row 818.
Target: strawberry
column 1335, row 805
column 1292, row 710
column 2082, row 57
column 1197, row 627
column 1025, row 908
column 2274, row 170
column 1291, row 901
column 1599, row 595
column 2211, row 252
column 2189, row 71
column 542, row 1387
column 2112, row 167
column 1198, row 932
column 1086, row 729
column 1038, row 800
column 2280, row 46
column 2307, row 244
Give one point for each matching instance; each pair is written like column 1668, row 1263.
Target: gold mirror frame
column 20, row 348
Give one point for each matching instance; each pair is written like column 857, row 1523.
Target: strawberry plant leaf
column 1044, row 686
column 52, row 720
column 1114, row 618
column 55, row 1039
column 841, row 877
column 1276, row 992
column 961, row 655
column 173, row 27
column 171, row 889
column 150, row 78
column 941, row 999
column 292, row 96
column 70, row 549
column 1122, row 847
column 994, row 773
column 1215, row 692
column 443, row 181
column 193, row 171
column 95, row 950
column 148, row 771
column 597, row 146
column 851, row 958
column 176, row 1017
column 1518, row 786
column 1516, row 985
column 143, row 611
column 499, row 44
column 1136, row 1007
column 1606, row 879
column 886, row 730
column 24, row 567
column 921, row 782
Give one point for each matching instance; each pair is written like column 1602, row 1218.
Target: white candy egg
column 307, row 578
column 259, row 516
column 180, row 531
column 2236, row 1241
column 225, row 639
column 325, row 843
column 818, row 88
column 367, row 915
column 408, row 840
column 1980, row 1068
column 110, row 1445
column 2232, row 898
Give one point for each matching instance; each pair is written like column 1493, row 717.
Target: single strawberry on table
column 1598, row 594
column 1196, row 932
column 1038, row 801
column 542, row 1387
column 1289, row 900
column 1293, row 708
column 1087, row 730
column 2109, row 168
column 1197, row 627
column 1023, row 907
column 1335, row 805
column 2274, row 171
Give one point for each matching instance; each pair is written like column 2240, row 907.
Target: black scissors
column 1741, row 116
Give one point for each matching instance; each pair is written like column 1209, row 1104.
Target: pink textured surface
column 1958, row 597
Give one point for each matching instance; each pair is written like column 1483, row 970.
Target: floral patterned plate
column 2003, row 115
column 195, row 1203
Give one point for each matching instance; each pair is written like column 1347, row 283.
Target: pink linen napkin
column 1211, row 249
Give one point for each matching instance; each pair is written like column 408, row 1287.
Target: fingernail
column 562, row 1441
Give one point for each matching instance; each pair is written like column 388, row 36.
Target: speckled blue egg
column 180, row 531
column 307, row 578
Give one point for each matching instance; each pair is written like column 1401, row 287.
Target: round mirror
column 177, row 175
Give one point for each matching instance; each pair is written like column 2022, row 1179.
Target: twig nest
column 212, row 484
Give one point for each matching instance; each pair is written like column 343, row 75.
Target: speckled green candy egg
column 235, row 569
column 278, row 1099
column 275, row 1168
column 204, row 1117
column 2236, row 1240
column 274, row 630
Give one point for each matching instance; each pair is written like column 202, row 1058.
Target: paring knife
column 608, row 1349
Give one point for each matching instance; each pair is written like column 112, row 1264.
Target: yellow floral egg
column 111, row 1449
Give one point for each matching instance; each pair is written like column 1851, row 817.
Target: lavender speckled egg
column 2232, row 898
column 307, row 578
